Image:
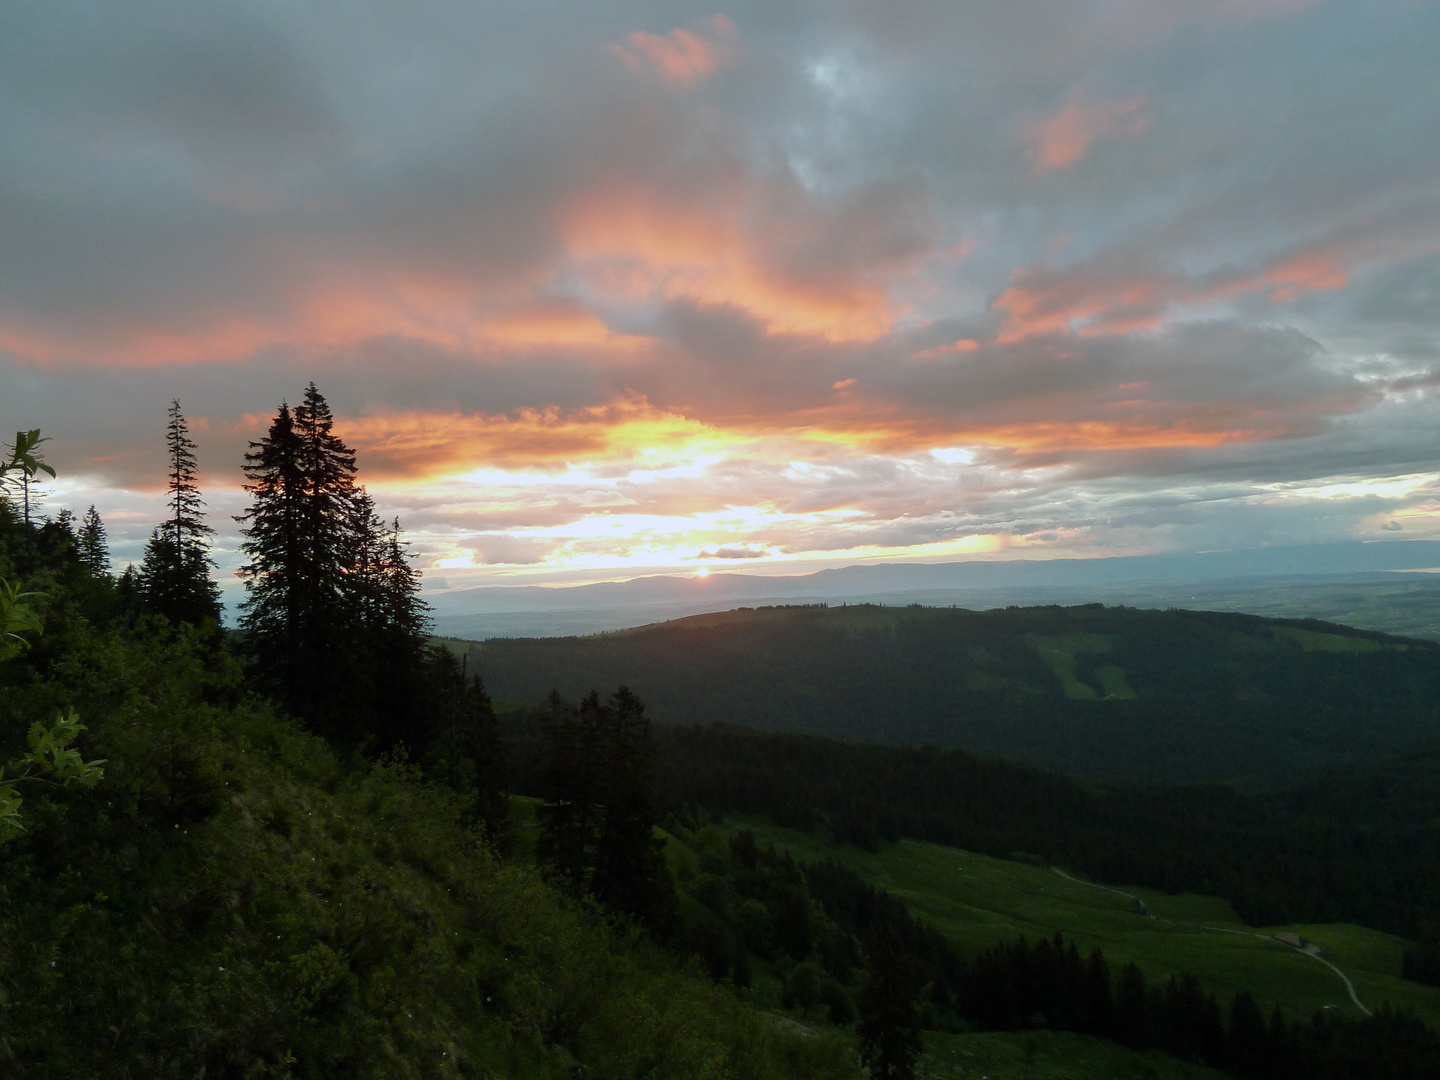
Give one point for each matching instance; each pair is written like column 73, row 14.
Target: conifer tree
column 393, row 630
column 631, row 875
column 889, row 1013
column 94, row 548
column 597, row 820
column 298, row 530
column 174, row 578
column 332, row 611
column 572, row 814
column 466, row 751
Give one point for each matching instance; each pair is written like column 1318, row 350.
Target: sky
column 598, row 290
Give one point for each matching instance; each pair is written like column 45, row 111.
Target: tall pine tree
column 597, row 820
column 297, row 613
column 466, row 751
column 889, row 1027
column 174, row 578
column 332, row 615
column 94, row 547
column 631, row 875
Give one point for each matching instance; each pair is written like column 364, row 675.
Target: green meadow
column 976, row 901
column 1046, row 1055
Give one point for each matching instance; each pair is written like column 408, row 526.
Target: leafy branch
column 51, row 760
column 16, row 617
column 24, row 459
column 51, row 757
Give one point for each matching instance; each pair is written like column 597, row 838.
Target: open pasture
column 976, row 901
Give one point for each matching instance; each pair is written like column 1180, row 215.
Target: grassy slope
column 975, row 900
column 1046, row 1055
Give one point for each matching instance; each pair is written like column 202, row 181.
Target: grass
column 1315, row 641
column 1045, row 1055
column 976, row 901
column 1061, row 652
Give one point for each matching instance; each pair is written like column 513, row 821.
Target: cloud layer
column 602, row 288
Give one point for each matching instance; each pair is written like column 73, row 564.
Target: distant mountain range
column 1292, row 580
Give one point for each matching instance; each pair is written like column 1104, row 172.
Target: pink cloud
column 1041, row 301
column 681, row 56
column 637, row 241
column 1065, row 138
column 1090, row 300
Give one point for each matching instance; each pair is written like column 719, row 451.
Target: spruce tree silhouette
column 174, row 577
column 94, row 546
column 306, row 612
column 889, row 1014
column 597, row 820
column 466, row 751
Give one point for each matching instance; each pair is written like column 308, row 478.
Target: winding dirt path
column 1349, row 986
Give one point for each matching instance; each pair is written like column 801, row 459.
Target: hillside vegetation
column 192, row 884
column 230, row 900
column 1095, row 691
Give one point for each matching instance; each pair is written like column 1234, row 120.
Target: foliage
column 16, row 619
column 50, row 759
column 229, row 900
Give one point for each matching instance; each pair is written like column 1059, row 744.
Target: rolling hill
column 1117, row 693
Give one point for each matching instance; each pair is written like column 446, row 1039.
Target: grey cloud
column 493, row 548
column 733, row 553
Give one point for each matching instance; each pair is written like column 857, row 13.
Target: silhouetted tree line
column 1362, row 846
column 1050, row 984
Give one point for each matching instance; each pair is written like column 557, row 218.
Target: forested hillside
column 301, row 850
column 1095, row 691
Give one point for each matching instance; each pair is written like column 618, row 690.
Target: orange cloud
column 681, row 56
column 1063, row 139
column 1045, row 437
column 1041, row 302
column 556, row 322
column 1314, row 271
column 1091, row 301
column 920, row 435
column 342, row 309
column 963, row 345
column 445, row 312
column 627, row 430
column 629, row 240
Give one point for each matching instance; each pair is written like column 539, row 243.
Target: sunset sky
column 602, row 289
